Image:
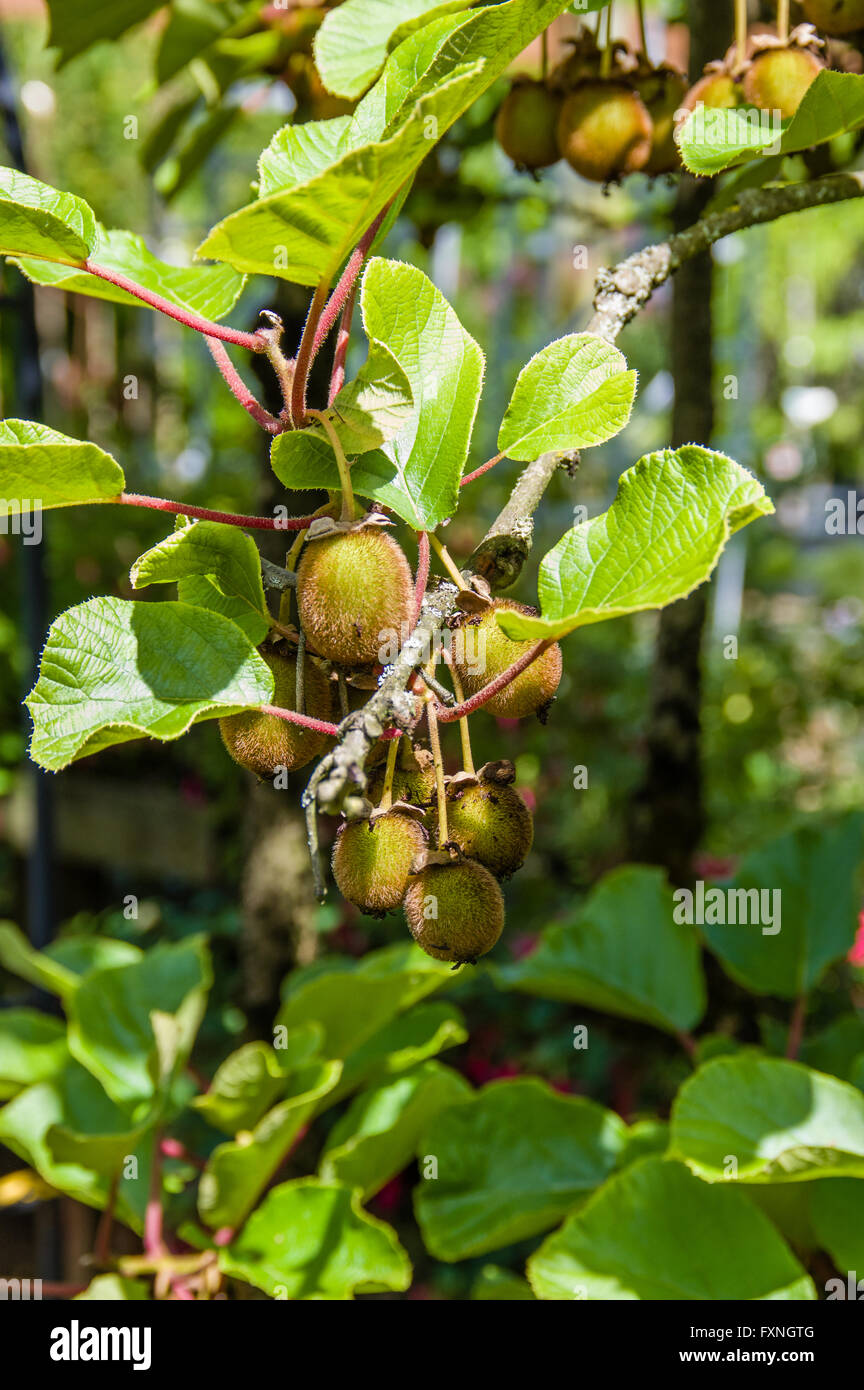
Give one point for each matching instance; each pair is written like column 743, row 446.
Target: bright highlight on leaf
column 661, row 538
column 575, row 393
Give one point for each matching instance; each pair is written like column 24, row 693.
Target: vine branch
column 255, row 342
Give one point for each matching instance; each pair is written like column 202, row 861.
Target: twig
column 446, row 715
column 422, row 577
column 337, row 376
column 153, row 1241
column 275, row 577
column 306, row 356
column 299, row 683
column 253, row 523
column 291, row 716
column 796, row 1027
column 239, row 389
column 255, row 342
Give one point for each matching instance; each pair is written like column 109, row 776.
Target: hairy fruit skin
column 662, row 91
column 415, row 787
column 715, row 89
column 469, row 907
column 835, row 16
column 264, row 742
column 531, row 691
column 605, row 131
column 372, row 860
column 490, row 823
column 352, row 587
column 526, row 125
column 778, row 78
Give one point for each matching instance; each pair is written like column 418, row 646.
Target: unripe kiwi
column 663, row 91
column 526, row 125
column 454, row 911
column 264, row 742
column 604, row 130
column 490, row 823
column 352, row 587
column 777, row 79
column 715, row 89
column 835, row 16
column 413, row 779
column 372, row 860
column 531, row 691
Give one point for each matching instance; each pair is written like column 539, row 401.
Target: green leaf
column 661, row 538
column 712, row 140
column 306, row 232
column 310, row 1240
column 403, row 1043
column 354, row 1002
column 209, row 290
column 37, row 220
column 509, row 1164
column 574, row 393
column 780, row 1121
column 192, row 26
column 378, row 1134
column 41, row 468
column 367, row 411
column 81, row 954
column 111, row 1029
column 108, row 1288
column 298, row 153
column 837, row 1214
column 32, row 1048
column 103, row 1153
column 247, row 1083
column 223, row 554
column 237, row 1173
column 655, row 1232
column 834, row 1049
column 494, row 1284
column 813, row 924
column 621, row 953
column 113, row 671
column 417, row 472
column 75, row 28
column 19, row 958
column 352, row 44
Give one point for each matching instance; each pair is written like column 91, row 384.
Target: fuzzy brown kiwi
column 715, row 89
column 413, row 777
column 778, row 79
column 488, row 647
column 264, row 742
column 352, row 588
column 372, row 860
column 663, row 91
column 526, row 125
column 490, row 823
column 454, row 911
column 604, row 130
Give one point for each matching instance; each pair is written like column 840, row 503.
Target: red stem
column 337, row 378
column 102, row 1244
column 422, row 578
column 484, row 468
column 796, row 1027
column 52, row 1290
column 153, row 1242
column 254, row 523
column 239, row 389
column 172, row 1148
column 448, row 713
column 255, row 342
column 292, row 717
column 306, row 356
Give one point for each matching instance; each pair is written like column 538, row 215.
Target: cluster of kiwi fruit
column 436, row 845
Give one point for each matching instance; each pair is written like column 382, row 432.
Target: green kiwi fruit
column 264, row 742
column 604, row 130
column 715, row 89
column 835, row 16
column 532, row 691
column 454, row 911
column 778, row 78
column 490, row 823
column 527, row 123
column 352, row 588
column 372, row 860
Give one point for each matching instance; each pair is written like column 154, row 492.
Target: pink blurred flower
column 856, row 955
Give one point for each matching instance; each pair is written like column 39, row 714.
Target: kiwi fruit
column 526, row 125
column 532, row 691
column 835, row 16
column 490, row 823
column 662, row 91
column 604, row 130
column 264, row 742
column 778, row 78
column 352, row 587
column 715, row 89
column 454, row 911
column 372, row 860
column 413, row 777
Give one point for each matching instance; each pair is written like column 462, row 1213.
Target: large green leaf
column 113, row 671
column 32, row 1048
column 237, row 1172
column 621, row 953
column 672, row 516
column 252, row 1079
column 811, row 877
column 111, row 1024
column 298, row 153
column 306, row 232
column 192, row 27
column 352, row 44
column 222, row 554
column 417, row 472
column 574, row 393
column 494, row 1285
column 712, row 140
column 19, row 957
column 37, row 220
column 401, row 1044
column 41, row 468
column 352, row 1003
column 655, row 1232
column 779, row 1121
column 311, row 1240
column 378, row 1134
column 508, row 1165
column 75, row 27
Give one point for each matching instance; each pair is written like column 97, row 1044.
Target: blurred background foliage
column 782, row 709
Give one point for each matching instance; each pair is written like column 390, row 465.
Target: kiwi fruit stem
column 444, row 557
column 643, row 37
column 741, row 32
column 299, row 675
column 467, row 756
column 783, row 19
column 435, row 745
column 606, row 60
column 344, row 706
column 544, row 55
column 341, row 464
column 387, row 791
